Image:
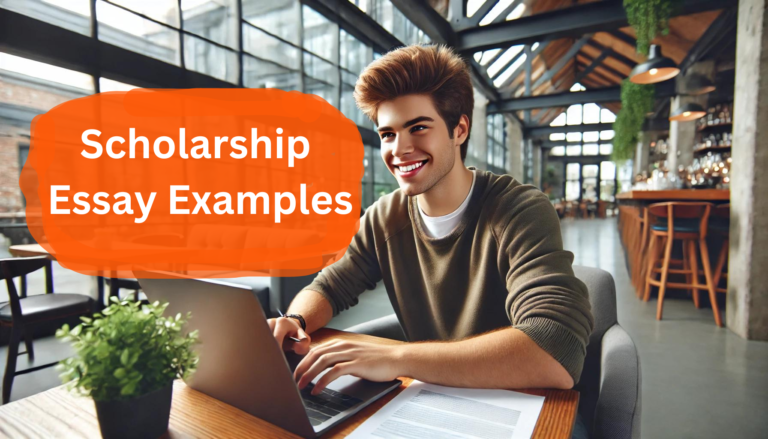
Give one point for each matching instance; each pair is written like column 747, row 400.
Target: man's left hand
column 371, row 361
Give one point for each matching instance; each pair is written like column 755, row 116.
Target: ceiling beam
column 629, row 62
column 713, row 40
column 478, row 16
column 597, row 75
column 573, row 21
column 540, row 48
column 665, row 89
column 624, row 37
column 597, row 61
column 427, row 19
column 605, row 67
column 575, row 48
column 350, row 18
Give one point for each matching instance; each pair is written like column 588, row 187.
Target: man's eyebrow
column 409, row 123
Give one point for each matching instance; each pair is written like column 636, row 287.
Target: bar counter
column 676, row 195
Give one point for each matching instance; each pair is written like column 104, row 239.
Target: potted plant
column 126, row 359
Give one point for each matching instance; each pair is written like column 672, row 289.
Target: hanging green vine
column 636, row 101
column 649, row 18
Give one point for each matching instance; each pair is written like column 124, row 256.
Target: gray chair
column 609, row 403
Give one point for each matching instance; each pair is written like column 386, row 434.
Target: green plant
column 126, row 351
column 649, row 18
column 636, row 101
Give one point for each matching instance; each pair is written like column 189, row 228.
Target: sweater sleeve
column 358, row 270
column 545, row 300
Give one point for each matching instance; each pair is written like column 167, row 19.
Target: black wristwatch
column 299, row 318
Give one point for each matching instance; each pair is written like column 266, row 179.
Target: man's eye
column 385, row 135
column 418, row 128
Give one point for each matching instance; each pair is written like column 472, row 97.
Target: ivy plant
column 649, row 18
column 126, row 351
column 636, row 101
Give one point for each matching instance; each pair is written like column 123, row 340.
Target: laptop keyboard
column 325, row 405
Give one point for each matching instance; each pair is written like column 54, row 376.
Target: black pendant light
column 688, row 112
column 656, row 69
column 698, row 85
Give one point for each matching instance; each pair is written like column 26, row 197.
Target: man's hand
column 372, row 361
column 283, row 327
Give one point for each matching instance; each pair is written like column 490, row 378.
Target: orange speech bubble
column 206, row 182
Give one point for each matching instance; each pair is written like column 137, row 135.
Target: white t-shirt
column 441, row 226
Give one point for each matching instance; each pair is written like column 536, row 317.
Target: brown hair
column 431, row 70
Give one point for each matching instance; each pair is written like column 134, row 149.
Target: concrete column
column 515, row 147
column 682, row 135
column 747, row 308
column 477, row 154
column 642, row 154
column 537, row 164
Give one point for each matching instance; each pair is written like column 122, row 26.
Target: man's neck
column 448, row 194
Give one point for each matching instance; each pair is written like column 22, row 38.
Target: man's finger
column 335, row 372
column 323, row 362
column 312, row 356
column 302, row 347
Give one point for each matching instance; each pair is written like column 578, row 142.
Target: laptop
column 242, row 365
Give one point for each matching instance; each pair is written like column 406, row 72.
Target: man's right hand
column 283, row 327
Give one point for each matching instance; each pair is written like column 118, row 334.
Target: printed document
column 428, row 411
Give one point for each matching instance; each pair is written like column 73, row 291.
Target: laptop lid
column 240, row 361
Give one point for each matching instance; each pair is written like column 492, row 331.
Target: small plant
column 636, row 101
column 126, row 351
column 649, row 18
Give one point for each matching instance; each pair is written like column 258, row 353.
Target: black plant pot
column 145, row 417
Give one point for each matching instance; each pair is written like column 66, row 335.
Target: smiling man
column 473, row 262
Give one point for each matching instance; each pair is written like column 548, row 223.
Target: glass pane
column 591, row 113
column 573, row 137
column 574, row 114
column 267, row 47
column 607, row 116
column 129, row 31
column 74, row 15
column 606, row 149
column 321, row 78
column 555, row 137
column 572, row 190
column 573, row 150
column 504, row 59
column 607, row 171
column 204, row 57
column 589, row 171
column 607, row 188
column 606, row 135
column 591, row 136
column 215, row 20
column 47, row 72
column 166, row 11
column 320, row 34
column 348, row 107
column 111, row 85
column 590, row 189
column 280, row 18
column 263, row 74
column 591, row 149
column 559, row 120
column 354, row 55
column 572, row 171
column 557, row 150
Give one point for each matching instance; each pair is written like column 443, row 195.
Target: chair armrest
column 618, row 407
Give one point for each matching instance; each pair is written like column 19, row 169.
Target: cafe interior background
column 552, row 79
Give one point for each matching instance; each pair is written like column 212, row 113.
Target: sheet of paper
column 427, row 411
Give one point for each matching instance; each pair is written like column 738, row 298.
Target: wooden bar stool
column 720, row 225
column 686, row 222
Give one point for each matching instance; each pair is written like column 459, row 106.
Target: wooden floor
column 699, row 381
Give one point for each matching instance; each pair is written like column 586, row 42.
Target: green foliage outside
column 636, row 101
column 649, row 18
column 126, row 351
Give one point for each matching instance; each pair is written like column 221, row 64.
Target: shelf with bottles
column 712, row 170
column 718, row 116
column 659, row 147
column 714, row 141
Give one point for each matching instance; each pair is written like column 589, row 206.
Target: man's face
column 415, row 144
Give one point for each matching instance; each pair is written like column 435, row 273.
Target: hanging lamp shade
column 657, row 68
column 698, row 85
column 688, row 112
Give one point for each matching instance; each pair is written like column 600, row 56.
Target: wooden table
column 57, row 413
column 677, row 195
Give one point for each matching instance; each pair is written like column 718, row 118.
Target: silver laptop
column 242, row 365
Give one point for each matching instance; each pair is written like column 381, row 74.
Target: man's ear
column 461, row 131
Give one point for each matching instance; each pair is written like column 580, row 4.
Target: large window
column 496, row 143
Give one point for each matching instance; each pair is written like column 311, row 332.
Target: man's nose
column 402, row 146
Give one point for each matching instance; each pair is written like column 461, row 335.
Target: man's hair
column 431, row 70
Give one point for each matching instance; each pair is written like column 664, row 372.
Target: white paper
column 428, row 411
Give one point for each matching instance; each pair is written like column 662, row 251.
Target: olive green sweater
column 503, row 265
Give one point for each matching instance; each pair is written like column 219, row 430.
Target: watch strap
column 301, row 320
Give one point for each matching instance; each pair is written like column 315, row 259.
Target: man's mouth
column 410, row 169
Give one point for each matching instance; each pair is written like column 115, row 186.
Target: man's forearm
column 315, row 309
column 506, row 359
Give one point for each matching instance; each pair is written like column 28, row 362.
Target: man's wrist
column 299, row 318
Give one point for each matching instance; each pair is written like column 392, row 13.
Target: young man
column 473, row 262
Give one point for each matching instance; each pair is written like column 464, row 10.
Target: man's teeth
column 410, row 167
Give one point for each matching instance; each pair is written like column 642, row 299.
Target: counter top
column 678, row 195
